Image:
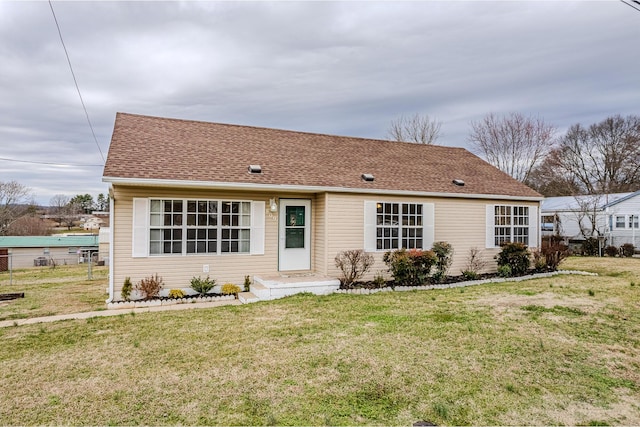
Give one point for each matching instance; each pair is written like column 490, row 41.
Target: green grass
column 499, row 354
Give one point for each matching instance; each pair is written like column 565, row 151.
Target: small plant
column 202, row 286
column 176, row 293
column 353, row 264
column 230, row 289
column 516, row 256
column 444, row 256
column 627, row 250
column 554, row 251
column 539, row 261
column 590, row 247
column 247, row 283
column 611, row 250
column 591, row 292
column 150, row 287
column 505, row 271
column 409, row 268
column 127, row 287
column 475, row 264
column 470, row 275
column 379, row 281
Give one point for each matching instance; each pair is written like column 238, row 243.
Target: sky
column 343, row 68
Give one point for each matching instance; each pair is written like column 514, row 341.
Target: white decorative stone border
column 164, row 302
column 366, row 291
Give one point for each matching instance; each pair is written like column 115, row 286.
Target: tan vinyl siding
column 177, row 270
column 460, row 222
column 319, row 236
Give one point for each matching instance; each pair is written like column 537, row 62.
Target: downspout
column 111, row 234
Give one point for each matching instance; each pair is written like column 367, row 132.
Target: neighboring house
column 193, row 199
column 104, row 237
column 30, row 251
column 614, row 218
column 93, row 223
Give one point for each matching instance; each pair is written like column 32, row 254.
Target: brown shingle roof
column 144, row 147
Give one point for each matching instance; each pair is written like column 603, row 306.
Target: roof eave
column 301, row 188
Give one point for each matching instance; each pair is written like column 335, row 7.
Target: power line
column 75, row 81
column 48, row 163
column 629, row 3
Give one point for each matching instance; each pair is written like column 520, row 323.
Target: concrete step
column 247, row 297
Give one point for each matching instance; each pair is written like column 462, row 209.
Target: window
column 620, row 221
column 199, row 227
column 511, row 224
column 399, row 225
column 633, row 221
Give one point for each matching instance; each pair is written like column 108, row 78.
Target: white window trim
column 534, row 224
column 141, row 228
column 370, row 224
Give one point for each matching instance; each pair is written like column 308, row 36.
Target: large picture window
column 399, row 225
column 199, row 227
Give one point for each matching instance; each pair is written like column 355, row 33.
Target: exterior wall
column 24, row 257
column 176, row 270
column 460, row 222
column 620, row 236
column 319, row 234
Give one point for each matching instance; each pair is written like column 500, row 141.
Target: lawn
column 561, row 350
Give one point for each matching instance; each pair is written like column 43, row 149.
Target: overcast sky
column 343, row 68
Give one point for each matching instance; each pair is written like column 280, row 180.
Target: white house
column 615, row 218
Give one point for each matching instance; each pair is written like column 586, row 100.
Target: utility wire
column 48, row 163
column 75, row 81
column 629, row 3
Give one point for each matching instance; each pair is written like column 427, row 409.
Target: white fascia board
column 301, row 188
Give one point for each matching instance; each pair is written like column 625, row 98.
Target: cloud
column 345, row 68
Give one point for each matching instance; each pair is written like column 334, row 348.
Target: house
column 613, row 218
column 93, row 223
column 193, row 199
column 30, row 251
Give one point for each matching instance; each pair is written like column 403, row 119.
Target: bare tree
column 28, row 225
column 58, row 208
column 13, row 197
column 417, row 129
column 515, row 144
column 605, row 158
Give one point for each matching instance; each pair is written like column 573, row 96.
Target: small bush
column 353, row 264
column 516, row 256
column 444, row 258
column 611, row 250
column 539, row 261
column 590, row 247
column 627, row 250
column 379, row 281
column 247, row 283
column 505, row 271
column 409, row 268
column 127, row 287
column 554, row 251
column 470, row 275
column 475, row 264
column 176, row 293
column 202, row 286
column 230, row 289
column 150, row 287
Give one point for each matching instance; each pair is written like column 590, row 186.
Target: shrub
column 150, row 286
column 516, row 256
column 247, row 283
column 230, row 289
column 475, row 264
column 554, row 251
column 127, row 287
column 354, row 264
column 470, row 275
column 202, row 286
column 590, row 247
column 539, row 261
column 444, row 258
column 611, row 250
column 176, row 293
column 379, row 281
column 627, row 250
column 505, row 270
column 409, row 268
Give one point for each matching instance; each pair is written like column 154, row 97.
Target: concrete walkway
column 103, row 313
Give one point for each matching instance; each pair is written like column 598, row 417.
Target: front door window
column 295, row 227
